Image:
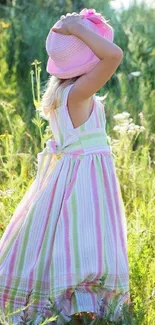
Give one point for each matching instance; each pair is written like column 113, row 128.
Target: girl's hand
column 69, row 22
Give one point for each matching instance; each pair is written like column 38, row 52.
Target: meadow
column 129, row 99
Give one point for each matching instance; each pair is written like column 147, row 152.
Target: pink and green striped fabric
column 69, row 230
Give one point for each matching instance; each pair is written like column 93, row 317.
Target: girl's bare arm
column 98, row 44
column 110, row 56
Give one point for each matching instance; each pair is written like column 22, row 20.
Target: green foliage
column 136, row 173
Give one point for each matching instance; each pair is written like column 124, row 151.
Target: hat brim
column 74, row 72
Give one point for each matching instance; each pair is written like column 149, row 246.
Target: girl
column 67, row 239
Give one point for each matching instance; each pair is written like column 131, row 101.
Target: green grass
column 135, row 169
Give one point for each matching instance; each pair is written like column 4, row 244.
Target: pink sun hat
column 68, row 55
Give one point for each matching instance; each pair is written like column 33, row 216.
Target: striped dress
column 67, row 238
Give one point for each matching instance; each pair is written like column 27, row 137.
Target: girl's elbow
column 119, row 54
column 116, row 53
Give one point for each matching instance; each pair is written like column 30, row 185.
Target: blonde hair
column 51, row 97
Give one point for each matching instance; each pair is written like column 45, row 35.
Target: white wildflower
column 133, row 126
column 142, row 128
column 135, row 73
column 126, row 114
column 122, row 116
column 131, row 131
column 125, row 123
column 116, row 128
column 153, row 293
column 130, row 120
column 137, row 127
column 123, row 129
column 118, row 117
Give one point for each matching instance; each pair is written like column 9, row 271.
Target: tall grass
column 131, row 147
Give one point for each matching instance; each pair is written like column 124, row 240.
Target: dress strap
column 65, row 94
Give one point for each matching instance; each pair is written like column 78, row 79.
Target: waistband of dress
column 106, row 150
column 78, row 149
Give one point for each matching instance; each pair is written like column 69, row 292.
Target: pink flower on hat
column 93, row 16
